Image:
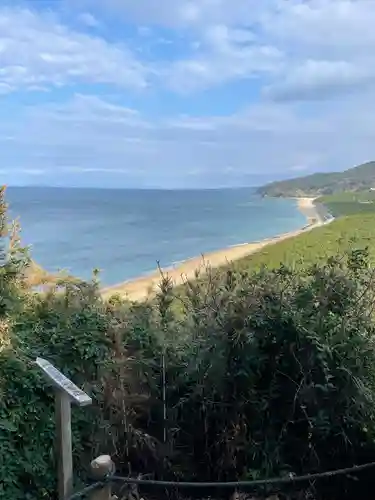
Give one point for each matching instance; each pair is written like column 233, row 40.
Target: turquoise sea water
column 125, row 232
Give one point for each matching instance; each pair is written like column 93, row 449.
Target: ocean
column 125, row 233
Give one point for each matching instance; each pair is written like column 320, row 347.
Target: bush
column 69, row 328
column 274, row 371
column 242, row 375
column 267, row 373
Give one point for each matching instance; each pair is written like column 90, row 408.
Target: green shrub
column 268, row 373
column 68, row 328
column 241, row 375
column 276, row 384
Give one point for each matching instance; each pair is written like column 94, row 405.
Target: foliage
column 264, row 376
column 275, row 360
column 359, row 178
column 253, row 374
column 317, row 245
column 349, row 203
column 68, row 328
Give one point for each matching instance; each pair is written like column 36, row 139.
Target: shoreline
column 140, row 288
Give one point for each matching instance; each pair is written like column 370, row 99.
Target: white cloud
column 337, row 26
column 88, row 20
column 297, row 47
column 90, row 136
column 317, row 79
column 179, row 13
column 5, row 88
column 275, row 39
column 224, row 55
column 312, row 63
column 329, row 47
column 36, row 50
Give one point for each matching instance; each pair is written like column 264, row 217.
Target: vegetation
column 355, row 179
column 316, row 246
column 257, row 374
column 349, row 203
column 36, row 276
column 353, row 229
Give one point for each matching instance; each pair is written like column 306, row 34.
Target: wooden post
column 66, row 393
column 102, row 467
column 64, row 444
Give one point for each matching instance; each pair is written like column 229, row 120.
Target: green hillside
column 342, row 235
column 354, row 179
column 349, row 203
column 353, row 229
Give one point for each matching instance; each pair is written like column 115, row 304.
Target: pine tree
column 14, row 260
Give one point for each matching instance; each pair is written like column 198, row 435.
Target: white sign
column 61, row 382
column 4, row 250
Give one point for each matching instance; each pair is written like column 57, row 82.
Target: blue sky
column 184, row 93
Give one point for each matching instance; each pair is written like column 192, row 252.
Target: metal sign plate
column 61, row 382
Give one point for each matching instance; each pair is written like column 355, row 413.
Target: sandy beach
column 140, row 288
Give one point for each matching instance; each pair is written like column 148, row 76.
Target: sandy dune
column 140, row 288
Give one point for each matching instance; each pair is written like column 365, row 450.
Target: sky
column 184, row 93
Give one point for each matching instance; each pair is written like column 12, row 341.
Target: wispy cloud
column 37, row 50
column 87, row 135
column 229, row 89
column 293, row 40
column 225, row 55
column 89, row 20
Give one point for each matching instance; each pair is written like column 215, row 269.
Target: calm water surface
column 125, row 232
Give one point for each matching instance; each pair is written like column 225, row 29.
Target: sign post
column 66, row 394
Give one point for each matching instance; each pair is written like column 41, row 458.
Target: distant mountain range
column 354, row 179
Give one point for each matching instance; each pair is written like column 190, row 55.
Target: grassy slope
column 355, row 228
column 354, row 179
column 356, row 231
column 362, row 202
